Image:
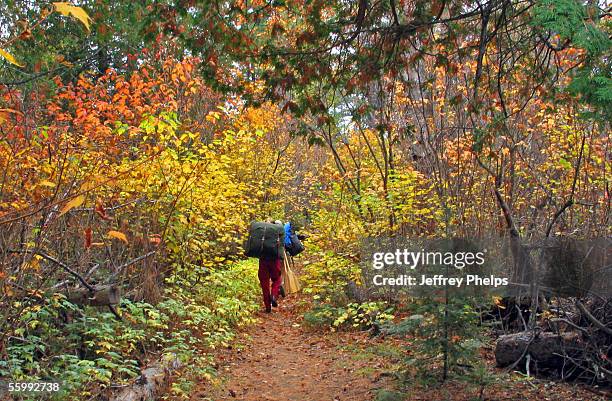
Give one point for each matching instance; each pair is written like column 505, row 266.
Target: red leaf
column 100, row 211
column 88, row 234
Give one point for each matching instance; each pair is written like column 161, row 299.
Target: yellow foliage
column 9, row 57
column 118, row 235
column 68, row 9
column 74, row 202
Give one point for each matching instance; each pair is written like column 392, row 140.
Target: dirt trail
column 312, row 366
column 302, row 366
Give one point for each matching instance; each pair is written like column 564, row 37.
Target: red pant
column 269, row 269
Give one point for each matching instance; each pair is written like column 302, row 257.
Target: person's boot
column 282, row 291
column 269, row 309
column 273, row 301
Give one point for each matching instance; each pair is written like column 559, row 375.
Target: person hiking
column 270, row 271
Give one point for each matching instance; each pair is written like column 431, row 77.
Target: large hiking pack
column 266, row 240
column 293, row 245
column 296, row 246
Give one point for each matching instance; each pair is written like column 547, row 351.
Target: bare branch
column 58, row 263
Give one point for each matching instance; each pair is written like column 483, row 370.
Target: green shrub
column 329, row 276
column 354, row 316
column 88, row 350
column 445, row 339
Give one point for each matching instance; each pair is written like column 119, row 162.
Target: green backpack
column 266, row 240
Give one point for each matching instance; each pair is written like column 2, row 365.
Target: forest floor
column 278, row 359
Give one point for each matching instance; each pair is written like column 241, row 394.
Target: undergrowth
column 190, row 321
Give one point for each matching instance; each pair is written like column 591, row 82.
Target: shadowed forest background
column 138, row 140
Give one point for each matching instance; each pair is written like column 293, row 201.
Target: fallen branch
column 542, row 348
column 593, row 319
column 569, row 323
column 151, row 383
column 101, row 296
